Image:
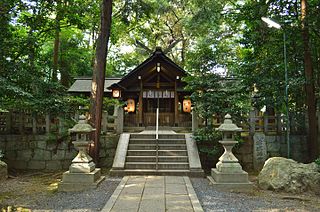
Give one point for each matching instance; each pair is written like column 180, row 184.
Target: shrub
column 317, row 161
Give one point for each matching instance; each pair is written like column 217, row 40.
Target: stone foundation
column 37, row 152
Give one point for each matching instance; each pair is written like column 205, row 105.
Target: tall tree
column 97, row 87
column 310, row 91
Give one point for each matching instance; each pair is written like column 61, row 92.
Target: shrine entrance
column 165, row 103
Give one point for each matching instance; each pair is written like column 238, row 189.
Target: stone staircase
column 147, row 156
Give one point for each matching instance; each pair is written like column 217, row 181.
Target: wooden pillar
column 140, row 104
column 176, row 100
column 265, row 123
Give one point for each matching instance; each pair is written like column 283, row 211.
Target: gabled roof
column 145, row 67
column 83, row 84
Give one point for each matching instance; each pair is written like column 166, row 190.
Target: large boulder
column 281, row 174
column 3, row 170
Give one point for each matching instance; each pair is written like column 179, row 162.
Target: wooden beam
column 176, row 99
column 140, row 103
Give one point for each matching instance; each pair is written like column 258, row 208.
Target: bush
column 210, row 149
column 317, row 161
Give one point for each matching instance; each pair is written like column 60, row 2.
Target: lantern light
column 158, row 67
column 130, row 105
column 116, row 93
column 187, row 105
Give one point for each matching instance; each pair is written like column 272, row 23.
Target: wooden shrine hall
column 155, row 83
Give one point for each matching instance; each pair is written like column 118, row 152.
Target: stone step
column 172, row 147
column 142, row 146
column 141, row 159
column 173, row 165
column 140, row 165
column 161, row 166
column 160, row 141
column 172, row 153
column 153, row 136
column 156, row 172
column 171, row 136
column 141, row 153
column 173, row 159
column 154, row 158
column 154, row 147
column 142, row 136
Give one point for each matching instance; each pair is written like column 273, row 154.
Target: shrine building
column 155, row 83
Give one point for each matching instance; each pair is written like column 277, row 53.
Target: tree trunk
column 97, row 87
column 309, row 86
column 56, row 44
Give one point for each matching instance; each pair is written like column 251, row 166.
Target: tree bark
column 309, row 86
column 56, row 44
column 97, row 86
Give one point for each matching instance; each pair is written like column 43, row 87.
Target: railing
column 157, row 137
column 26, row 122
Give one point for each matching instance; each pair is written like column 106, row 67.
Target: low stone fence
column 276, row 146
column 39, row 152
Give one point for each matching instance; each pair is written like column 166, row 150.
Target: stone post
column 34, row 124
column 195, row 121
column 8, row 122
column 47, row 123
column 252, row 122
column 120, row 119
column 228, row 174
column 104, row 121
column 259, row 150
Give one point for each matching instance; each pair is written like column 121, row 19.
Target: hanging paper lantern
column 187, row 105
column 130, row 105
column 116, row 93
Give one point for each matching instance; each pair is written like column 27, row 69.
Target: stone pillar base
column 230, row 181
column 80, row 181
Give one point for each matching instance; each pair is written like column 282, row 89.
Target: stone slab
column 193, row 154
column 115, row 195
column 36, row 165
column 81, row 177
column 221, row 177
column 193, row 196
column 176, row 189
column 153, row 198
column 230, row 186
column 69, row 186
column 121, row 152
column 178, row 202
column 153, row 204
column 174, row 180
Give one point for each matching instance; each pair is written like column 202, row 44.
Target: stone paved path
column 153, row 193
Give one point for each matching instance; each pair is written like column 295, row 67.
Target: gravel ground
column 257, row 200
column 93, row 200
column 37, row 191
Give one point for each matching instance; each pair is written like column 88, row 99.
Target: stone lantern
column 82, row 173
column 228, row 173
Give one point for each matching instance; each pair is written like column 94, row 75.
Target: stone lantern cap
column 228, row 126
column 82, row 126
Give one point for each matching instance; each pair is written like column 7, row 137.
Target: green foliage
column 110, row 103
column 317, row 161
column 207, row 140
